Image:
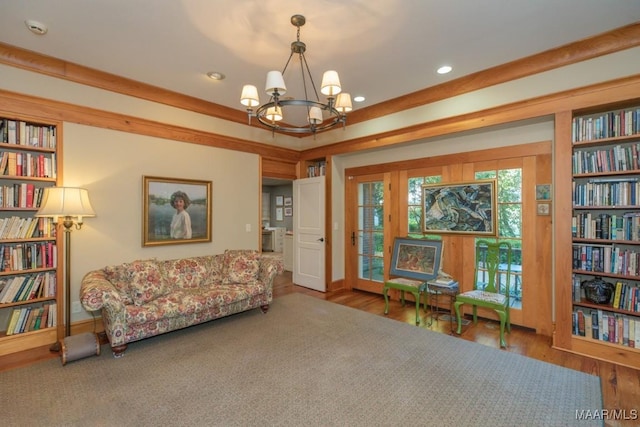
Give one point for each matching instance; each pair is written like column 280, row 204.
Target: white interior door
column 308, row 233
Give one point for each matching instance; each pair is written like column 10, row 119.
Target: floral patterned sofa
column 145, row 298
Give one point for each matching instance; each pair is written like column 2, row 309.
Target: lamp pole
column 67, row 223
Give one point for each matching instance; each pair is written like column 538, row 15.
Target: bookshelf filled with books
column 29, row 278
column 604, row 283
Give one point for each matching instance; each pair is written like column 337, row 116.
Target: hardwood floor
column 620, row 385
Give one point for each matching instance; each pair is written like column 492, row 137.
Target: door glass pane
column 509, row 222
column 370, row 231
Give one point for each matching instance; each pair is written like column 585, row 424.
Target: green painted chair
column 492, row 277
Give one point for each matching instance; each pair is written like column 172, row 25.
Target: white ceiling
column 382, row 49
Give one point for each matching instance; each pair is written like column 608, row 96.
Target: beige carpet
column 306, row 362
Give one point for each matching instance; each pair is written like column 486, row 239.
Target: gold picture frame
column 463, row 208
column 164, row 222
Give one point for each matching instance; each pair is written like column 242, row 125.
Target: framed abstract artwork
column 466, row 208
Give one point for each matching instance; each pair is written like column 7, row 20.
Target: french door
column 365, row 244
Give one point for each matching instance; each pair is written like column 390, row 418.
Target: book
column 15, row 314
column 38, row 320
column 20, row 322
column 25, row 319
column 595, row 326
column 616, row 295
column 581, row 323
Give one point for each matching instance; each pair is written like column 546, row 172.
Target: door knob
column 321, row 239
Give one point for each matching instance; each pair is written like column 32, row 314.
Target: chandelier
column 298, row 115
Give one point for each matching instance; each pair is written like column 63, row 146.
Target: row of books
column 28, row 319
column 27, row 287
column 28, row 164
column 318, row 169
column 16, row 227
column 606, row 259
column 626, row 226
column 607, row 326
column 29, row 134
column 591, row 194
column 626, row 297
column 618, row 158
column 21, row 195
column 612, row 124
column 28, row 256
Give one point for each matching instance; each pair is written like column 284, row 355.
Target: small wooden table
column 434, row 290
column 416, row 287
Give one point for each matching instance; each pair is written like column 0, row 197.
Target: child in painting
column 181, row 222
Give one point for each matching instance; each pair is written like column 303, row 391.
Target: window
column 415, row 203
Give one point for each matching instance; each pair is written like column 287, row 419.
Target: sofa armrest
column 97, row 293
column 269, row 268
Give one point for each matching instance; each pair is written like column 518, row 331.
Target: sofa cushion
column 118, row 275
column 185, row 273
column 146, row 281
column 241, row 266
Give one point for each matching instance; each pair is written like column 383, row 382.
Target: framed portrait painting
column 175, row 211
column 466, row 208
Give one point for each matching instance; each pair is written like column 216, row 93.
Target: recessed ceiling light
column 444, row 69
column 359, row 98
column 215, row 75
column 36, row 27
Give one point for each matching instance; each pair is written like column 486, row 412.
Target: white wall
column 110, row 164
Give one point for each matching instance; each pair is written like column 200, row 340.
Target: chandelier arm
column 306, row 65
column 287, row 64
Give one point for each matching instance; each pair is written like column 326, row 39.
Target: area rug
column 306, row 362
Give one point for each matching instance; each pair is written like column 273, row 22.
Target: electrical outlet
column 76, row 307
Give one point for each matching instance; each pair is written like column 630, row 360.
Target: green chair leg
column 385, row 292
column 456, row 306
column 502, row 316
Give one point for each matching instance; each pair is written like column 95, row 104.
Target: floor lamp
column 70, row 205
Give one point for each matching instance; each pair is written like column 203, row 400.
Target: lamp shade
column 315, row 115
column 275, row 83
column 65, row 201
column 343, row 102
column 330, row 83
column 274, row 114
column 249, row 97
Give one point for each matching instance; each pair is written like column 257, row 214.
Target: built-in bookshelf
column 316, row 168
column 605, row 233
column 29, row 290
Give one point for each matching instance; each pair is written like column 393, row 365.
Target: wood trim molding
column 489, row 154
column 613, row 91
column 61, row 111
column 50, row 66
column 613, row 41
